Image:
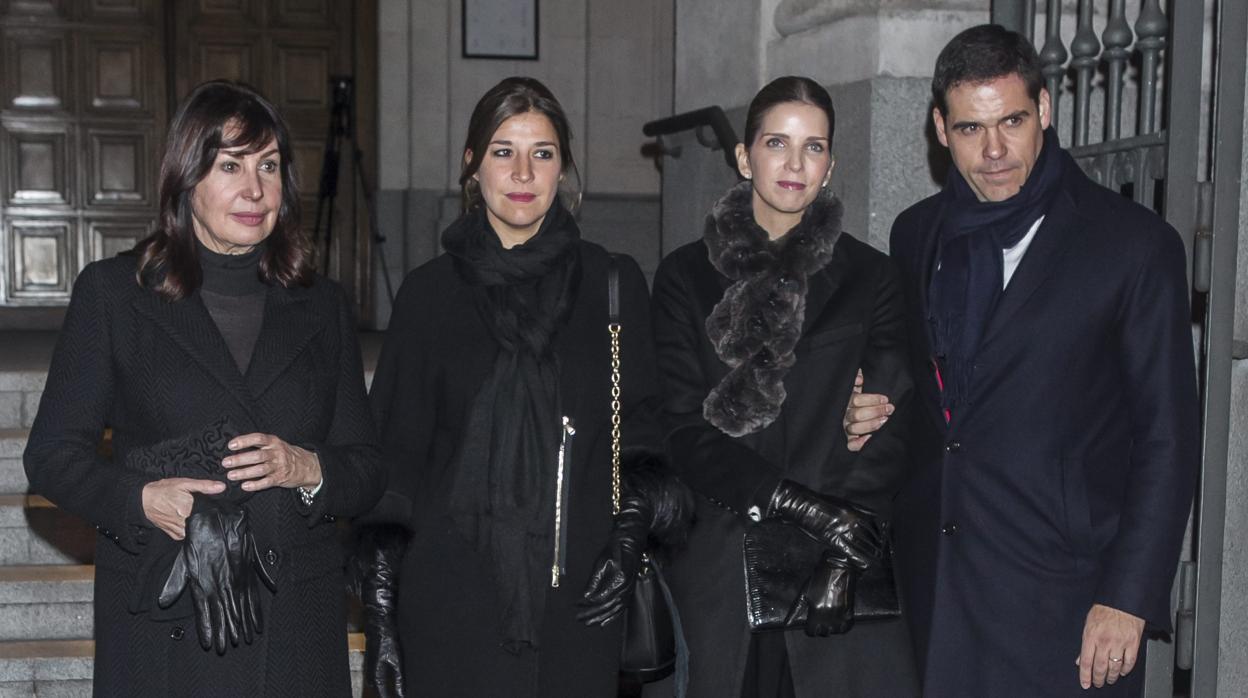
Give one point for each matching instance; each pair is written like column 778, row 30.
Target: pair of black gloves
column 220, row 563
column 655, row 507
column 855, row 541
column 219, row 560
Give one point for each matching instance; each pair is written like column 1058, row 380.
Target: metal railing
column 698, row 121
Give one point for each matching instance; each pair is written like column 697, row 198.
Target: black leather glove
column 220, row 563
column 615, row 573
column 830, row 595
column 375, row 571
column 655, row 506
column 851, row 530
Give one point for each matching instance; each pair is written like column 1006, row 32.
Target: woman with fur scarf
column 761, row 328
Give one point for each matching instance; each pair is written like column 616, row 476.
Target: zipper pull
column 559, row 563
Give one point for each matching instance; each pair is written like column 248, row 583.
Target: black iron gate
column 1157, row 162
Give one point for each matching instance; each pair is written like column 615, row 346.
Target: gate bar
column 1228, row 137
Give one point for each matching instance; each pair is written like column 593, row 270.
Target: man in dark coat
column 1057, row 441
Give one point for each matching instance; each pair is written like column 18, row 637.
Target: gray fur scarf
column 757, row 323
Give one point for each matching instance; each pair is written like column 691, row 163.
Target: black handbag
column 779, row 561
column 654, row 643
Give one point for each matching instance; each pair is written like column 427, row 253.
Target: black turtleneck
column 234, row 295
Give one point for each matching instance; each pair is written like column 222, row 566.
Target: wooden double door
column 88, row 87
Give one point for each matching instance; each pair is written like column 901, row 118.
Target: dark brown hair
column 985, row 53
column 219, row 115
column 512, row 96
column 790, row 88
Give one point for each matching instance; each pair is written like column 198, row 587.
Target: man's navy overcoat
column 1067, row 480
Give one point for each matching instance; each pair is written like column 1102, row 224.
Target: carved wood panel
column 107, row 237
column 225, row 60
column 113, row 10
column 120, row 167
column 36, row 8
column 84, row 103
column 317, row 14
column 118, row 73
column 36, row 70
column 38, row 165
column 40, row 258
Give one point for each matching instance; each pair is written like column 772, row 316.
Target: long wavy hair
column 219, row 115
column 512, row 96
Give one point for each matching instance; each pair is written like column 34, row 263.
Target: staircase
column 46, row 575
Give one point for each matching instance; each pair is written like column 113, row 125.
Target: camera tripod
column 341, row 128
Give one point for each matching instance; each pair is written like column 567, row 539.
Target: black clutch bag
column 779, row 560
column 195, row 455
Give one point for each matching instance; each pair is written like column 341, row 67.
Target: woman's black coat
column 854, row 319
column 438, row 351
column 154, row 370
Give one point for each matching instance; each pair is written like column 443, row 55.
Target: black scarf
column 502, row 493
column 966, row 287
column 757, row 323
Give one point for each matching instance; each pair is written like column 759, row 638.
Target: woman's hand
column 864, row 415
column 271, row 463
column 167, row 502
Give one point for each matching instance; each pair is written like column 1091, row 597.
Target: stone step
column 33, row 531
column 12, row 474
column 20, row 390
column 63, row 668
column 46, row 668
column 46, row 602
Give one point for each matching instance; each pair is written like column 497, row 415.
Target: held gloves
column 653, row 504
column 374, row 571
column 220, row 563
column 851, row 530
column 856, row 540
column 830, row 593
column 611, row 583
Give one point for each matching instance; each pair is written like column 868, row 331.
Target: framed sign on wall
column 500, row 29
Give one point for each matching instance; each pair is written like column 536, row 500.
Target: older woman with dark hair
column 493, row 395
column 230, row 375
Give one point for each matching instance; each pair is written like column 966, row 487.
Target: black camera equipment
column 342, row 128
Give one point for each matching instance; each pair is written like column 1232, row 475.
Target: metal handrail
column 725, row 137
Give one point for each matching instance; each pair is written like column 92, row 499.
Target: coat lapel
column 1043, row 257
column 926, row 266
column 820, row 288
column 192, row 329
column 287, row 328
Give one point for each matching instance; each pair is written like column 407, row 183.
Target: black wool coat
column 154, row 370
column 1068, row 478
column 438, row 352
column 853, row 320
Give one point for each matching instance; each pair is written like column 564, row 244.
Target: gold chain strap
column 614, row 329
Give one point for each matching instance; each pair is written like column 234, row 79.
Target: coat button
column 953, row 447
column 949, row 528
column 270, row 556
column 177, row 633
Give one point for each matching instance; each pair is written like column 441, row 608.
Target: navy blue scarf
column 967, row 285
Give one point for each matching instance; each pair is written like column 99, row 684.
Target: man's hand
column 1111, row 643
column 864, row 415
